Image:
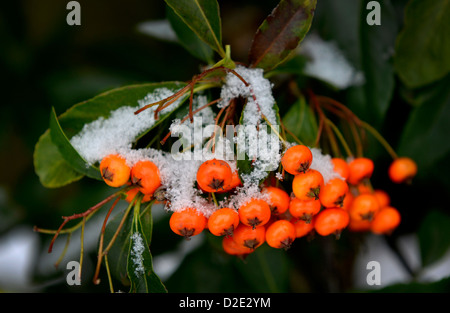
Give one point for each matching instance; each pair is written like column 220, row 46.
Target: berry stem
column 214, row 199
column 82, row 246
column 380, row 139
column 111, row 288
column 274, row 130
column 340, row 137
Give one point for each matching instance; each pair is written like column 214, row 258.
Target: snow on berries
column 244, row 182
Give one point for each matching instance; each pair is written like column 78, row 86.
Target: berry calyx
column 145, row 175
column 231, row 247
column 280, row 234
column 333, row 193
column 255, row 212
column 331, row 221
column 364, row 207
column 278, row 199
column 304, row 209
column 187, row 223
column 306, row 186
column 214, row 175
column 249, row 237
column 223, row 222
column 402, row 170
column 114, row 170
column 297, row 159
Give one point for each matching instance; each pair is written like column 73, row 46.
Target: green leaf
column 71, row 123
column 188, row 39
column 281, row 32
column 53, row 171
column 425, row 135
column 118, row 253
column 68, row 152
column 203, row 18
column 301, row 121
column 423, row 46
column 434, row 236
column 140, row 263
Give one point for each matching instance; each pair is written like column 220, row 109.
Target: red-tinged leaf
column 281, row 33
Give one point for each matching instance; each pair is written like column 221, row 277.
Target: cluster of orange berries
column 313, row 206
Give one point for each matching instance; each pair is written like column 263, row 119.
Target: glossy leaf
column 281, row 32
column 72, row 121
column 301, row 121
column 53, row 171
column 68, row 152
column 434, row 237
column 188, row 39
column 425, row 135
column 140, row 262
column 203, row 18
column 423, row 46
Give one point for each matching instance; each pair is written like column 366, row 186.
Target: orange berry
column 114, row 170
column 187, row 223
column 348, row 200
column 382, row 197
column 331, row 221
column 214, row 175
column 145, row 175
column 235, row 181
column 364, row 188
column 307, row 185
column 385, row 221
column 304, row 209
column 402, row 170
column 278, row 200
column 297, row 159
column 359, row 169
column 223, row 222
column 359, row 225
column 133, row 192
column 280, row 234
column 302, row 228
column 364, row 207
column 341, row 167
column 255, row 212
column 249, row 237
column 333, row 193
column 232, row 248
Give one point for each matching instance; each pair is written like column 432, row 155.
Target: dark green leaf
column 188, row 39
column 434, row 237
column 301, row 121
column 281, row 32
column 68, row 152
column 51, row 168
column 72, row 121
column 118, row 254
column 423, row 46
column 425, row 136
column 203, row 18
column 140, row 262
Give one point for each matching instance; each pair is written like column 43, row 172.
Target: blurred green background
column 44, row 63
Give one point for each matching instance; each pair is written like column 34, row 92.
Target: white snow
column 137, row 249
